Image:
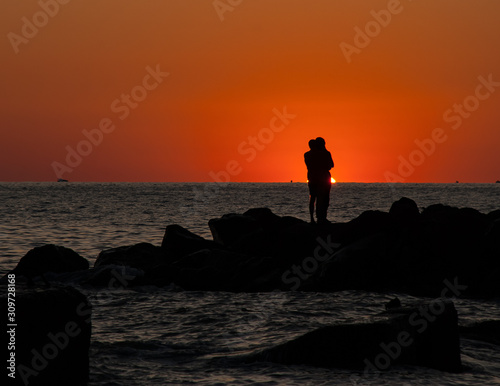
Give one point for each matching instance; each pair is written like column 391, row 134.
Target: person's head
column 320, row 143
column 312, row 144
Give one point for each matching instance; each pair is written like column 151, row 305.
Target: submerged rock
column 423, row 335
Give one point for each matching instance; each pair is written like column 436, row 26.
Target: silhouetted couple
column 319, row 162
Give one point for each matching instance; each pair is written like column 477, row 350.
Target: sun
column 333, row 180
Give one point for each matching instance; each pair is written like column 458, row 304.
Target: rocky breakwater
column 440, row 251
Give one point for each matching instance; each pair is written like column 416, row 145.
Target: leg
column 312, row 199
column 313, row 194
column 323, row 202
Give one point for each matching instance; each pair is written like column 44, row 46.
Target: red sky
column 232, row 68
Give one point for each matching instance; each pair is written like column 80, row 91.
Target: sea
column 168, row 336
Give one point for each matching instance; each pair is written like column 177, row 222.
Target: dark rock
column 178, row 242
column 231, row 227
column 422, row 335
column 222, row 270
column 52, row 336
column 494, row 215
column 264, row 217
column 404, row 211
column 143, row 256
column 366, row 224
column 113, row 277
column 49, row 258
column 290, row 241
column 486, row 331
column 393, row 303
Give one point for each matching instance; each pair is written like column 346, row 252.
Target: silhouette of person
column 319, row 162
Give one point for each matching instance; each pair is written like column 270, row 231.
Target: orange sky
column 232, row 69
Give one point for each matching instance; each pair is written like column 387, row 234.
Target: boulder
column 143, row 256
column 264, row 217
column 113, row 277
column 366, row 224
column 225, row 270
column 404, row 211
column 49, row 258
column 424, row 334
column 485, row 331
column 52, row 336
column 178, row 242
column 208, row 270
column 231, row 227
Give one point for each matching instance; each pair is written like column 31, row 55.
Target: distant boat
column 61, row 180
column 498, row 182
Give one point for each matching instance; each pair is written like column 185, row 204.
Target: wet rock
column 178, row 242
column 143, row 256
column 223, row 270
column 423, row 335
column 52, row 336
column 113, row 277
column 486, row 331
column 49, row 258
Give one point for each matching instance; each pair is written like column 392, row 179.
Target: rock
column 231, row 227
column 143, row 256
column 223, row 270
column 52, row 336
column 207, row 270
column 393, row 303
column 179, row 242
column 113, row 277
column 49, row 258
column 366, row 224
column 404, row 211
column 422, row 335
column 486, row 331
column 494, row 215
column 264, row 217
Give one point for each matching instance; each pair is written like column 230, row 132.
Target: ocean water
column 162, row 336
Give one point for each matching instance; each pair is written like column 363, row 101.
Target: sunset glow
column 186, row 91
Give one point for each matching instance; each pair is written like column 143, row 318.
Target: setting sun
column 333, row 180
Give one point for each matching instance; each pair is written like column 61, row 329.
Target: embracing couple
column 319, row 162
